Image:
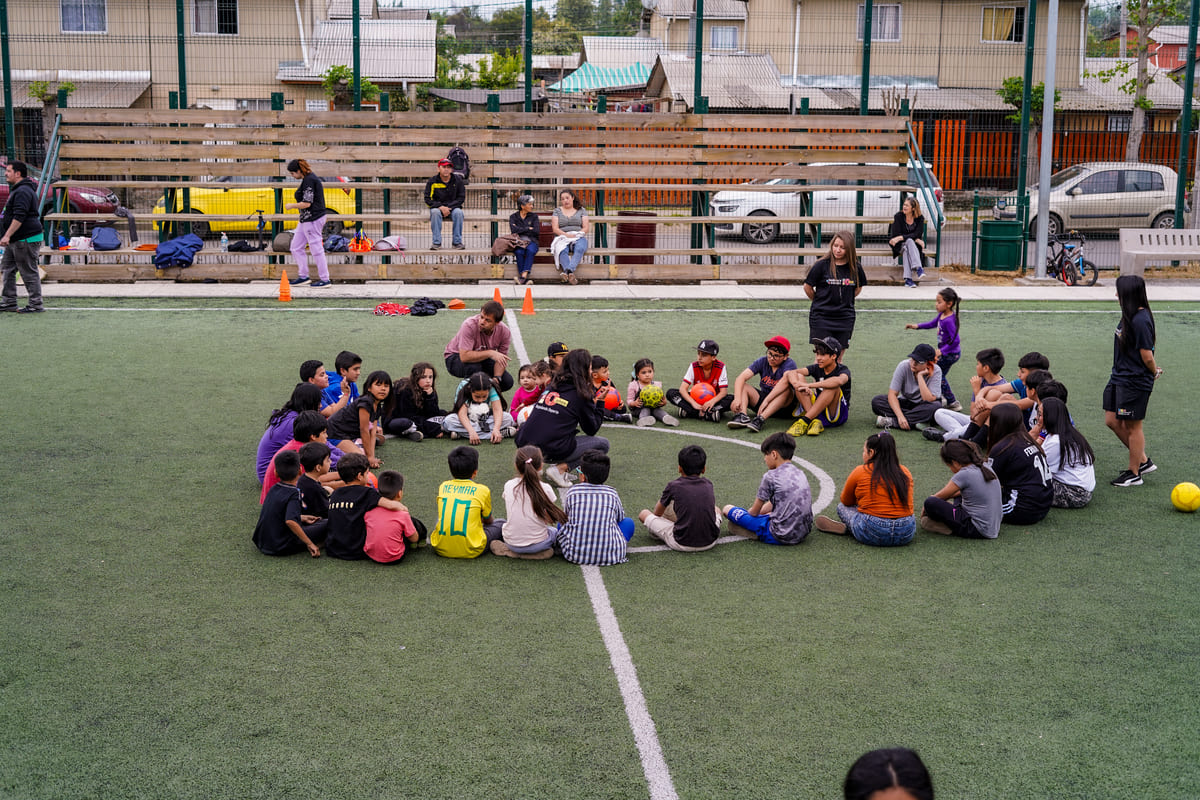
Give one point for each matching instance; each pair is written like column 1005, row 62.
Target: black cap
column 556, row 349
column 708, row 346
column 922, row 352
column 830, row 343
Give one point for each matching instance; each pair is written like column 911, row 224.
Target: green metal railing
column 926, row 188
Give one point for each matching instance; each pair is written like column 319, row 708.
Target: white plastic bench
column 1159, row 244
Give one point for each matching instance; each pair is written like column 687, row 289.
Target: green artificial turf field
column 150, row 651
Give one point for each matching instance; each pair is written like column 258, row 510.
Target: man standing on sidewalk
column 21, row 238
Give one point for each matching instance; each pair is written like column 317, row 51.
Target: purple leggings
column 309, row 234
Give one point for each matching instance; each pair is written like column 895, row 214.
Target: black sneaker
column 1147, row 467
column 31, row 310
column 934, row 434
column 685, row 412
column 713, row 415
column 755, row 424
column 738, row 421
column 1127, row 478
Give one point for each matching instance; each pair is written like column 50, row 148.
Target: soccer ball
column 612, row 400
column 523, row 415
column 652, row 397
column 703, row 392
column 1186, row 497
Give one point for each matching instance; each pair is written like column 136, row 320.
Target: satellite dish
column 649, row 5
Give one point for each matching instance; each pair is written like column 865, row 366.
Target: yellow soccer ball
column 1186, row 497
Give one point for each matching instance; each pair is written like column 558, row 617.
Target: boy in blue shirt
column 782, row 510
column 770, row 370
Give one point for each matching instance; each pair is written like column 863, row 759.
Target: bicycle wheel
column 1087, row 273
column 1071, row 274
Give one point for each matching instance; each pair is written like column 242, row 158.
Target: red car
column 81, row 199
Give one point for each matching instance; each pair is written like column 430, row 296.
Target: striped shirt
column 590, row 535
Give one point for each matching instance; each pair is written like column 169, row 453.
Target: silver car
column 1102, row 195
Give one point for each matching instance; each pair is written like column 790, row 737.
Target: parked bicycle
column 1065, row 261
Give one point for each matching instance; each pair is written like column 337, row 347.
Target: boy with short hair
column 389, row 530
column 707, row 368
column 686, row 517
column 914, row 393
column 308, row 426
column 349, row 367
column 770, row 370
column 283, row 529
column 782, row 509
column 953, row 424
column 596, row 532
column 555, row 353
column 314, row 463
column 465, row 526
column 347, row 529
column 822, row 402
column 602, row 382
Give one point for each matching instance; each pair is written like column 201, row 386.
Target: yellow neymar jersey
column 461, row 505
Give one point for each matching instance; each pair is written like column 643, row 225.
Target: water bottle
column 224, row 243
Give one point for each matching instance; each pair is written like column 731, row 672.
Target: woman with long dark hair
column 1134, row 371
column 877, row 501
column 570, row 225
column 568, row 403
column 305, row 397
column 832, row 284
column 310, row 202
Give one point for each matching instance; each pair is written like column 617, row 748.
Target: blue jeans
column 946, row 362
column 524, row 256
column 435, row 224
column 877, row 531
column 568, row 262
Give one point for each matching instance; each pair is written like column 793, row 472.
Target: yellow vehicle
column 228, row 198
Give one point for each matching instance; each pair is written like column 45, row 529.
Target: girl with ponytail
column 533, row 518
column 969, row 505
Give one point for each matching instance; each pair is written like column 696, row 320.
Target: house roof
column 730, row 81
column 479, row 97
column 590, row 78
column 1097, row 95
column 391, row 51
column 620, row 51
column 120, row 90
column 713, row 9
column 343, row 9
column 1170, row 34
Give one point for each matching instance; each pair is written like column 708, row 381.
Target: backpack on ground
column 460, row 162
column 105, row 237
column 425, row 307
column 336, row 243
column 177, row 252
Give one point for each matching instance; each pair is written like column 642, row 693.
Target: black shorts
column 841, row 330
column 1125, row 402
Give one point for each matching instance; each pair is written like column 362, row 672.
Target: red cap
column 779, row 341
column 445, row 162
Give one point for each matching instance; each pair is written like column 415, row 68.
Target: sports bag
column 460, row 162
column 394, row 242
column 177, row 252
column 282, row 243
column 105, row 237
column 360, row 243
column 425, row 307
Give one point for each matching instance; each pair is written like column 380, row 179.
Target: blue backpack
column 337, row 243
column 105, row 237
column 177, row 252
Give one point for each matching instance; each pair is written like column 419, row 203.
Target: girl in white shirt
column 1069, row 456
column 533, row 518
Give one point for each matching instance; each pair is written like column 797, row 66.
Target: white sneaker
column 669, row 420
column 885, row 422
column 557, row 477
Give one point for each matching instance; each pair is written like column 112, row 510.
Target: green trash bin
column 1000, row 243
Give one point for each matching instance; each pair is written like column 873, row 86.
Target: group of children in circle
column 320, row 448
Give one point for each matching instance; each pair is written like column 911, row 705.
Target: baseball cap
column 922, row 352
column 780, row 342
column 830, row 343
column 445, row 162
column 556, row 349
column 708, row 346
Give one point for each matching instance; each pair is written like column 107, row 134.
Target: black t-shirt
column 272, row 535
column 344, row 423
column 1025, row 485
column 695, row 510
column 814, row 372
column 312, row 191
column 1128, row 369
column 552, row 422
column 347, row 529
column 314, row 499
column 834, row 289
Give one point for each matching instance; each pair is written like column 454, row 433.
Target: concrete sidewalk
column 396, row 291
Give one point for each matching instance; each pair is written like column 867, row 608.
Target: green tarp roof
column 589, row 78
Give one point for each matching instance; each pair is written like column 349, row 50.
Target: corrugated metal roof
column 1098, row 95
column 713, row 9
column 620, row 51
column 730, row 81
column 1170, row 34
column 391, row 50
column 403, row 13
column 479, row 97
column 87, row 94
column 343, row 9
column 590, row 78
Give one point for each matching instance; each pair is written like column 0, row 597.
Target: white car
column 828, row 203
column 1101, row 195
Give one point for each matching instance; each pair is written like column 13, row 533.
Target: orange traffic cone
column 527, row 307
column 496, row 296
column 285, row 289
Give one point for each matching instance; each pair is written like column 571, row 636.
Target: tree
column 338, row 83
column 1012, row 92
column 556, row 37
column 500, row 71
column 47, row 95
column 578, row 14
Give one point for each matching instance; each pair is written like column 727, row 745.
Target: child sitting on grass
column 533, row 518
column 309, row 426
column 361, row 419
column 596, row 532
column 1068, row 455
column 282, row 528
column 530, row 391
column 465, row 525
column 415, row 412
column 820, row 393
column 478, row 410
column 643, row 378
column 877, row 501
column 1020, row 465
column 314, row 465
column 686, row 517
column 349, row 505
column 969, row 505
column 782, row 509
column 602, row 382
column 389, row 530
column 705, row 369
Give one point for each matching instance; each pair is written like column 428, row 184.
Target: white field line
column 661, row 310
